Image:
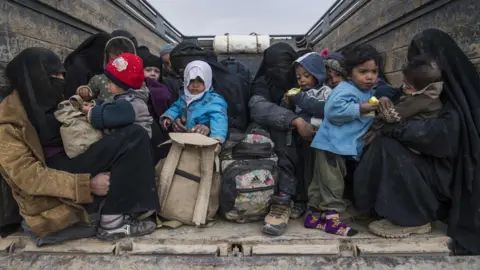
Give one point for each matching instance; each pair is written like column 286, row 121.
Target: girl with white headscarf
column 200, row 106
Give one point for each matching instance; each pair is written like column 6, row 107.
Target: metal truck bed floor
column 226, row 239
column 239, row 246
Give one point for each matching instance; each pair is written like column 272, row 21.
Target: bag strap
column 256, row 44
column 164, row 143
column 205, row 186
column 168, row 171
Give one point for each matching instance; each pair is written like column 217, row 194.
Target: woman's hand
column 385, row 104
column 166, row 123
column 86, row 107
column 304, row 128
column 369, row 136
column 100, row 184
column 202, row 129
column 179, row 124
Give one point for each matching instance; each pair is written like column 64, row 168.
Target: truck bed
column 228, row 239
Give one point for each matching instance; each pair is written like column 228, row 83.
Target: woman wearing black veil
column 85, row 62
column 443, row 183
column 55, row 193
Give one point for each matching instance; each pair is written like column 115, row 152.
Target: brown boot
column 385, row 228
column 276, row 222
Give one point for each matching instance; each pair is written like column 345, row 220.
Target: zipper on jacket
column 187, row 106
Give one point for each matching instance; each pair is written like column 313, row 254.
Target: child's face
column 334, row 78
column 152, row 73
column 304, row 79
column 196, row 87
column 365, row 75
column 114, row 89
column 408, row 89
column 113, row 55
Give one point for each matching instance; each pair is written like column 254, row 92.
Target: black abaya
column 462, row 90
column 406, row 188
column 127, row 154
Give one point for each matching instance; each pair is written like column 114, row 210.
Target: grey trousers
column 326, row 189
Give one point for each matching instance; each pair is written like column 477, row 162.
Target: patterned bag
column 249, row 172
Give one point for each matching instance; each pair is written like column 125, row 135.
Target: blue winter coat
column 210, row 110
column 343, row 125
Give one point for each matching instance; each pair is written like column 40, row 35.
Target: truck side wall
column 390, row 25
column 62, row 25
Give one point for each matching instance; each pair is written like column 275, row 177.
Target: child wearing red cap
column 129, row 106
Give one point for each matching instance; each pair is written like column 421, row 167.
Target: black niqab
column 30, row 74
column 277, row 69
column 462, row 90
column 85, row 62
column 91, row 50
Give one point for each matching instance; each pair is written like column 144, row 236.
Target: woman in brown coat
column 55, row 194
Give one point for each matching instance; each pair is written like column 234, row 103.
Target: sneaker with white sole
column 129, row 228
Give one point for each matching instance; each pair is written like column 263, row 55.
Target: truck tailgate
column 226, row 243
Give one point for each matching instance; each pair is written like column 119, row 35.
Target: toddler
column 421, row 94
column 128, row 106
column 346, row 120
column 199, row 105
column 335, row 64
column 310, row 101
column 97, row 87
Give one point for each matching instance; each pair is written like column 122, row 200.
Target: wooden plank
column 27, row 22
column 105, row 15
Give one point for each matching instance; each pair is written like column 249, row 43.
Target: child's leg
column 325, row 194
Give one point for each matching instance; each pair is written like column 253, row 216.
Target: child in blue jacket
column 346, row 120
column 199, row 105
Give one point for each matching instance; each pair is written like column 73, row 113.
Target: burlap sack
column 77, row 134
column 189, row 179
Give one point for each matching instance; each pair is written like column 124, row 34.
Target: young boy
column 97, row 87
column 421, row 94
column 200, row 106
column 310, row 102
column 128, row 106
column 339, row 137
column 335, row 64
